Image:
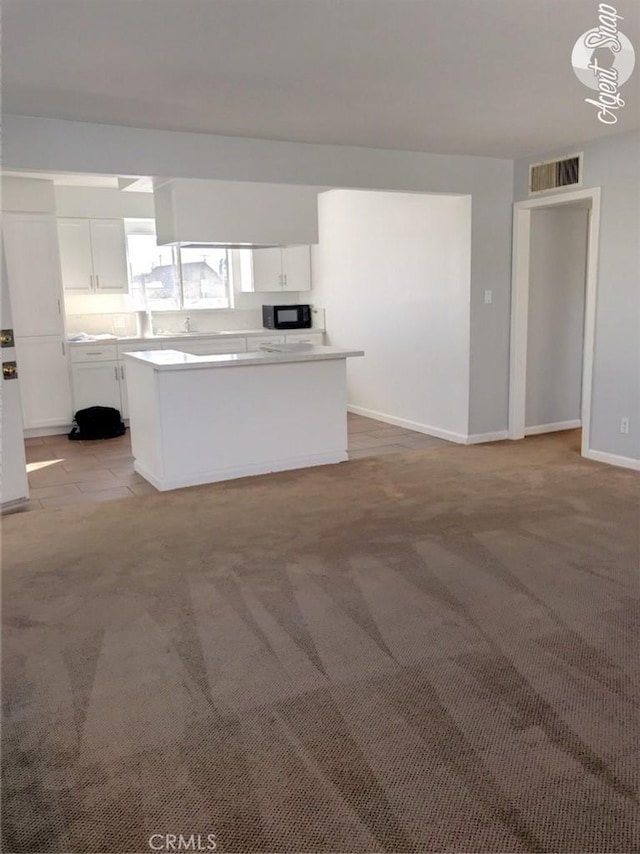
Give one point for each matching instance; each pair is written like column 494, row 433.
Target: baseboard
column 56, row 430
column 437, row 432
column 450, row 436
column 218, row 475
column 613, row 460
column 479, row 438
column 11, row 506
column 552, row 428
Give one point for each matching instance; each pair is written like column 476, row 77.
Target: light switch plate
column 488, row 297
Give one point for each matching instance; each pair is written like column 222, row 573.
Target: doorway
column 565, row 400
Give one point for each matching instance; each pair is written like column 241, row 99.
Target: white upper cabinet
column 296, row 268
column 93, row 255
column 33, row 273
column 267, row 269
column 109, row 255
column 75, row 255
column 286, row 268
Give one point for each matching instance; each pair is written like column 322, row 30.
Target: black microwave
column 286, row 316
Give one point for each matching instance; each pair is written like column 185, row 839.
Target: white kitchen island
column 202, row 419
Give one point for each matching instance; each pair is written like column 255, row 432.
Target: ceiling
column 488, row 77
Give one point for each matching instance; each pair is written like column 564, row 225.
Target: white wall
column 103, row 202
column 393, row 273
column 614, row 165
column 556, row 315
column 27, row 195
column 63, row 146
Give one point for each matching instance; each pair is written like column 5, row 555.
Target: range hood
column 218, row 245
column 234, row 214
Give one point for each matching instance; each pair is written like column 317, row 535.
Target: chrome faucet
column 187, row 324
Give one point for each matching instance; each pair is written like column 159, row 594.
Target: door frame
column 520, row 305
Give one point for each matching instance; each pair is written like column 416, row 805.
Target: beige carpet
column 435, row 651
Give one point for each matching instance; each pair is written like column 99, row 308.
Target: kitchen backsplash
column 123, row 324
column 131, row 324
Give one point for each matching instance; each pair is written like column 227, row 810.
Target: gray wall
column 614, row 165
column 63, row 146
column 556, row 315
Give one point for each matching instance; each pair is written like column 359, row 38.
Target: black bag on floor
column 97, row 422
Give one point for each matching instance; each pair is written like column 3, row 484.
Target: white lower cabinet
column 310, row 337
column 208, row 346
column 96, row 384
column 124, row 399
column 99, row 374
column 44, row 381
column 256, row 342
column 99, row 370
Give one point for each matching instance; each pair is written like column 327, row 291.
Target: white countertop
column 181, row 336
column 175, row 360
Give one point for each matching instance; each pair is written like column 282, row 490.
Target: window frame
column 146, row 228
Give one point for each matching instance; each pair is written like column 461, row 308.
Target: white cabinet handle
column 97, row 281
column 122, row 371
column 90, row 282
column 285, row 280
column 116, row 372
column 64, row 352
column 59, row 311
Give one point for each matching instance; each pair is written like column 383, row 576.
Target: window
column 204, row 277
column 170, row 278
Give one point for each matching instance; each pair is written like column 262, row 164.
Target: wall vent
column 555, row 174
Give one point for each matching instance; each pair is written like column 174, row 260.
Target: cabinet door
column 296, row 268
column 43, row 372
column 267, row 269
column 33, row 273
column 109, row 256
column 96, row 384
column 75, row 255
column 124, row 399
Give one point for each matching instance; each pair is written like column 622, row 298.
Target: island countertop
column 176, row 360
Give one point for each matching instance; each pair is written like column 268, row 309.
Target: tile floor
column 63, row 472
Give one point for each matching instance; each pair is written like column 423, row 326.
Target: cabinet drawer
column 257, row 342
column 97, row 353
column 208, row 346
column 306, row 338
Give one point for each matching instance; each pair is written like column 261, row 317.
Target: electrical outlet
column 624, row 425
column 488, row 297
